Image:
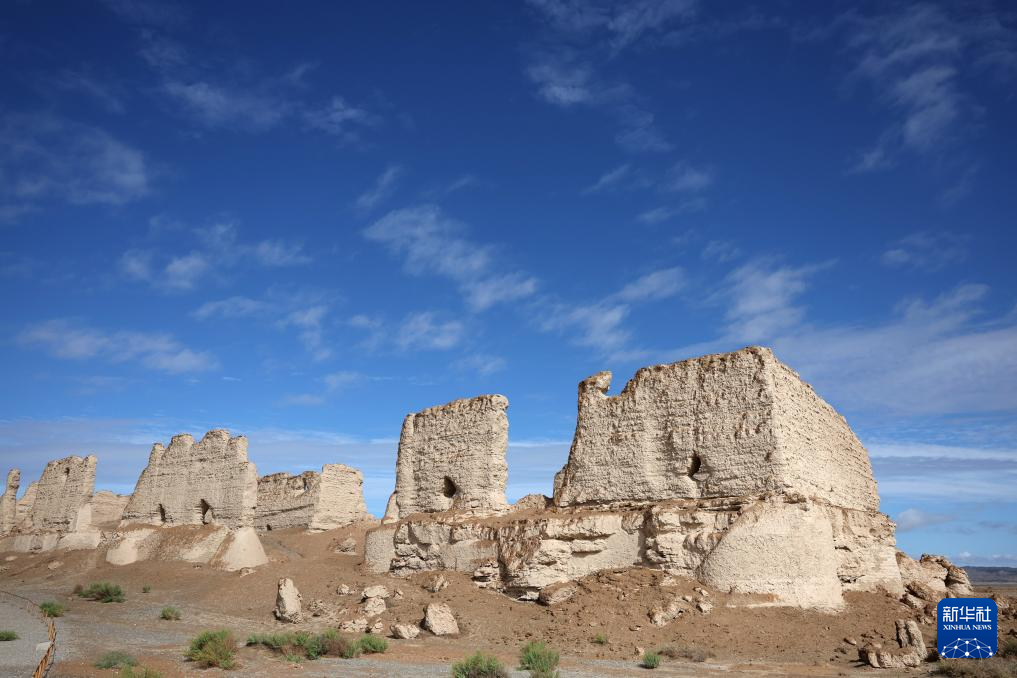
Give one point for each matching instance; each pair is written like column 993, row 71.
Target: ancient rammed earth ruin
column 727, row 469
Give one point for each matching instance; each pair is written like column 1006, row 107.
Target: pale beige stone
column 372, row 607
column 314, row 501
column 912, row 649
column 932, row 578
column 9, row 502
column 439, row 620
column 23, row 515
column 376, row 591
column 723, row 425
column 452, row 457
column 556, row 595
column 405, row 631
column 195, row 483
column 359, row 625
column 287, row 602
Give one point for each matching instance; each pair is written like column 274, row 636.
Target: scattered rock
column 439, row 620
column 436, row 583
column 344, row 590
column 487, row 576
column 374, row 606
column 913, row 651
column 287, row 602
column 850, row 641
column 53, row 565
column 704, row 606
column 358, row 625
column 377, row 591
column 398, row 595
column 244, row 571
column 378, row 628
column 320, row 608
column 557, row 595
column 348, row 546
column 405, row 631
column 663, row 615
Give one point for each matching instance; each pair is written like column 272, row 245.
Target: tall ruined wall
column 316, row 501
column 63, row 495
column 23, row 515
column 453, row 457
column 191, row 483
column 9, row 502
column 341, row 498
column 286, row 501
column 726, row 425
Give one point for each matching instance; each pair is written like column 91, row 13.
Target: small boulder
column 436, row 583
column 354, row 625
column 704, row 606
column 374, row 606
column 377, row 591
column 287, row 602
column 556, row 596
column 344, row 590
column 347, row 547
column 405, row 631
column 377, row 629
column 439, row 620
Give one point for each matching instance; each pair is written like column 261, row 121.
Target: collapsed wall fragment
column 452, row 457
column 195, row 501
column 315, row 501
column 56, row 511
column 726, row 468
column 9, row 502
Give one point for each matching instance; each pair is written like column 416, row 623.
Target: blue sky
column 303, row 225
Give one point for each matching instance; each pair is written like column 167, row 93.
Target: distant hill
column 992, row 575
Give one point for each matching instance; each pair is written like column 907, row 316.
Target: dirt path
column 20, row 657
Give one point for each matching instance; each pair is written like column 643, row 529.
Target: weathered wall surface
column 9, row 502
column 316, row 501
column 108, row 508
column 63, row 495
column 728, row 425
column 23, row 516
column 286, row 501
column 194, row 483
column 452, row 457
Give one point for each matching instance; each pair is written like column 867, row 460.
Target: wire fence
column 42, row 669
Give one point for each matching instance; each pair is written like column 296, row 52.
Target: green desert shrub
column 146, row 588
column 651, row 660
column 104, row 592
column 8, row 635
column 138, row 672
column 994, row 667
column 599, row 639
column 115, row 659
column 52, row 608
column 1007, row 649
column 213, row 648
column 479, row 666
column 169, row 613
column 373, row 644
column 540, row 660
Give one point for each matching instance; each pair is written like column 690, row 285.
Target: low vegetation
column 540, row 660
column 995, row 667
column 599, row 639
column 479, row 666
column 115, row 659
column 104, row 592
column 169, row 613
column 138, row 672
column 1008, row 649
column 693, row 654
column 299, row 645
column 8, row 635
column 651, row 660
column 214, row 648
column 146, row 588
column 52, row 608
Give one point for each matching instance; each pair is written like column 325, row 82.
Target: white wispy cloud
column 47, row 158
column 925, row 250
column 916, row 519
column 916, row 57
column 426, row 330
column 609, row 180
column 685, row 178
column 482, row 364
column 382, row 189
column 620, row 23
column 219, row 250
column 430, row 242
column 70, row 340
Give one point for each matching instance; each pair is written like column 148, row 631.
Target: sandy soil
column 739, row 639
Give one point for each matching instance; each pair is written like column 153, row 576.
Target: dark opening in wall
column 162, row 514
column 268, row 527
column 694, row 464
column 448, row 488
column 206, row 512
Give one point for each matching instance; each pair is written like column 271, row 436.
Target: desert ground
column 739, row 636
